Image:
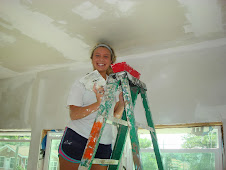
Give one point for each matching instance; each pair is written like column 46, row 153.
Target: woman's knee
column 66, row 165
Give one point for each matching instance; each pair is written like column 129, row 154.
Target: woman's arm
column 119, row 107
column 78, row 112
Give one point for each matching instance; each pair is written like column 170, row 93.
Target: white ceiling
column 37, row 35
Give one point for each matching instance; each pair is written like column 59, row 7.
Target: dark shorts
column 72, row 147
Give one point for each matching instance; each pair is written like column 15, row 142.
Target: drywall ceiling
column 36, row 35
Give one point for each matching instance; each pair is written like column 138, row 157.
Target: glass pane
column 14, row 154
column 2, row 160
column 180, row 138
column 15, row 135
column 53, row 159
column 180, row 161
column 148, row 161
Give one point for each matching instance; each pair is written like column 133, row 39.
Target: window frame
column 217, row 151
column 16, row 132
column 11, row 162
column 50, row 136
column 55, row 164
column 3, row 161
column 25, row 162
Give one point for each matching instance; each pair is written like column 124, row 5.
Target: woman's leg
column 66, row 165
column 98, row 167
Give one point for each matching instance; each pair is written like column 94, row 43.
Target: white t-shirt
column 80, row 96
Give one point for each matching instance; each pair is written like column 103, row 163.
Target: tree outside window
column 197, row 150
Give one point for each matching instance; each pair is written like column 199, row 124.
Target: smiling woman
column 101, row 55
column 101, row 60
column 83, row 104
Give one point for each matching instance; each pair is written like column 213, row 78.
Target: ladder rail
column 132, row 124
column 119, row 143
column 153, row 134
column 131, row 87
column 98, row 127
column 122, row 130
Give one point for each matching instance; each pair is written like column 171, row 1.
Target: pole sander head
column 123, row 66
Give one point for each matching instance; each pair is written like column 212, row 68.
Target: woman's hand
column 77, row 112
column 99, row 93
column 121, row 100
column 119, row 107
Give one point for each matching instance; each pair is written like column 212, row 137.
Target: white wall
column 37, row 102
column 184, row 86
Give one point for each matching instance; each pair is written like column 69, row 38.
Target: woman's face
column 101, row 59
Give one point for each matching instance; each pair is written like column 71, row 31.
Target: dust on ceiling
column 36, row 35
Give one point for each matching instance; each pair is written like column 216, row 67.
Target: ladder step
column 145, row 127
column 105, row 161
column 115, row 121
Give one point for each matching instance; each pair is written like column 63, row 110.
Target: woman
column 83, row 106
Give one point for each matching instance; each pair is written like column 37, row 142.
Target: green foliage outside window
column 184, row 161
column 202, row 141
column 180, row 161
column 145, row 143
column 14, row 143
column 15, row 138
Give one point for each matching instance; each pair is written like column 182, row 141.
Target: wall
column 184, row 86
column 15, row 101
column 37, row 102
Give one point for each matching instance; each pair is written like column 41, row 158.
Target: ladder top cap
column 133, row 80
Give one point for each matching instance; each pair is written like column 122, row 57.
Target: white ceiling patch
column 6, row 39
column 88, row 11
column 204, row 20
column 124, row 6
column 42, row 29
column 6, row 73
column 112, row 1
column 62, row 22
column 5, row 25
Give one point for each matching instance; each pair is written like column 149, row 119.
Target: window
column 14, row 147
column 12, row 160
column 51, row 153
column 53, row 165
column 25, row 163
column 2, row 159
column 184, row 148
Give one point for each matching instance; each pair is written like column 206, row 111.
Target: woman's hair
column 113, row 56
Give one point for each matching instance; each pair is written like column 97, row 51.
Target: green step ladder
column 131, row 87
